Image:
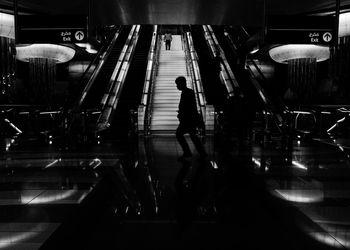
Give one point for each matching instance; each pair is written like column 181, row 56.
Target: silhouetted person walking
column 189, row 119
column 168, row 38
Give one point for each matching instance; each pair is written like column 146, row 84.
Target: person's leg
column 197, row 143
column 182, row 141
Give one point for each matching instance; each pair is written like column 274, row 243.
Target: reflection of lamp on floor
column 42, row 60
column 302, row 64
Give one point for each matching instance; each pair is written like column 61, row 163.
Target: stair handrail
column 144, row 107
column 197, row 81
column 111, row 98
column 190, row 70
column 148, row 115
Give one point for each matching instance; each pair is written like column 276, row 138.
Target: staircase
column 166, row 97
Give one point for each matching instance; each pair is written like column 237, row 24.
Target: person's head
column 180, row 82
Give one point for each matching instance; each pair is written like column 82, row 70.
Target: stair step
column 160, row 110
column 166, row 96
column 165, row 105
column 164, row 127
column 166, row 117
column 164, row 122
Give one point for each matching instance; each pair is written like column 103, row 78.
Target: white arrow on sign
column 327, row 37
column 79, row 35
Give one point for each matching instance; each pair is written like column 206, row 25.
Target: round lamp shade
column 282, row 54
column 7, row 26
column 58, row 53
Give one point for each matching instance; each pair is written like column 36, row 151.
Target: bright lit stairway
column 166, row 97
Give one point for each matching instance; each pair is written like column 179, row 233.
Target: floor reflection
column 192, row 187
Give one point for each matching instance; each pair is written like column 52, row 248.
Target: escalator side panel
column 133, row 86
column 243, row 79
column 95, row 94
column 214, row 91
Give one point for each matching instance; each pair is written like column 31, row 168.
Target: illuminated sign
column 300, row 30
column 52, row 29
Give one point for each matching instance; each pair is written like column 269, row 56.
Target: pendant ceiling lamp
column 283, row 53
column 58, row 53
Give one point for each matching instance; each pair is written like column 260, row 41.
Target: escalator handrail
column 228, row 77
column 146, row 95
column 117, row 68
column 284, row 111
column 102, row 56
column 261, row 74
column 190, row 69
column 110, row 100
column 194, row 70
column 156, row 46
column 269, row 105
column 76, row 110
column 226, row 65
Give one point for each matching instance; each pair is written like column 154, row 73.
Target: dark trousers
column 167, row 44
column 181, row 131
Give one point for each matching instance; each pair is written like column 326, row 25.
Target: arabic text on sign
column 67, row 33
column 314, row 34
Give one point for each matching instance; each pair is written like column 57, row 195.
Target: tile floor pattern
column 29, row 188
column 249, row 197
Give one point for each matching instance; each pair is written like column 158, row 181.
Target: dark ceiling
column 246, row 12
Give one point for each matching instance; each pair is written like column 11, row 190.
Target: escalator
column 215, row 92
column 133, row 86
column 260, row 96
column 246, row 76
column 96, row 92
column 241, row 75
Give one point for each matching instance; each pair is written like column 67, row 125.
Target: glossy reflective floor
column 253, row 195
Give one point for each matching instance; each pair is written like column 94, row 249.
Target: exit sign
column 52, row 29
column 300, row 30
